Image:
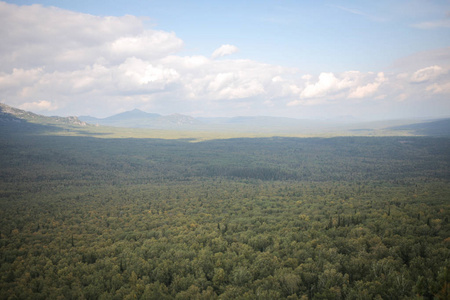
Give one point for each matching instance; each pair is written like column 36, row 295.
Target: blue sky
column 305, row 59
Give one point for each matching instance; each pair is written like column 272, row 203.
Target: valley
column 346, row 217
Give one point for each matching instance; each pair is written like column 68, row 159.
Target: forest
column 244, row 218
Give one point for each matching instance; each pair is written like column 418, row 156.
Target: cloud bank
column 56, row 61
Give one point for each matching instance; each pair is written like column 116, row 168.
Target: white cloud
column 426, row 74
column 368, row 89
column 60, row 39
column 38, row 106
column 148, row 45
column 19, row 77
column 230, row 80
column 277, row 79
column 140, row 72
column 224, row 50
column 437, row 88
column 328, row 84
column 220, row 81
column 82, row 63
column 307, row 77
column 186, row 63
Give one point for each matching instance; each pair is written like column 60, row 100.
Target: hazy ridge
column 137, row 123
column 139, row 119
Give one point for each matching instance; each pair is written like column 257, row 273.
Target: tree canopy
column 269, row 218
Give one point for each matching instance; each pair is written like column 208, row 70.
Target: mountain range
column 260, row 124
column 139, row 119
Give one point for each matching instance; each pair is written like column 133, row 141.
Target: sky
column 365, row 60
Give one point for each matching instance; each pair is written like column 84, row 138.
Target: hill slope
column 11, row 114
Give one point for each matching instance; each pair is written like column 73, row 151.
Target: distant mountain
column 133, row 114
column 10, row 114
column 133, row 118
column 346, row 125
column 12, row 119
column 139, row 119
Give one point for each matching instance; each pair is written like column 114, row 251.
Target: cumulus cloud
column 224, row 50
column 326, row 83
column 148, row 45
column 235, row 79
column 60, row 39
column 137, row 72
column 81, row 63
column 329, row 85
column 368, row 89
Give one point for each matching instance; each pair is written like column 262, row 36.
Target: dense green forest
column 263, row 218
